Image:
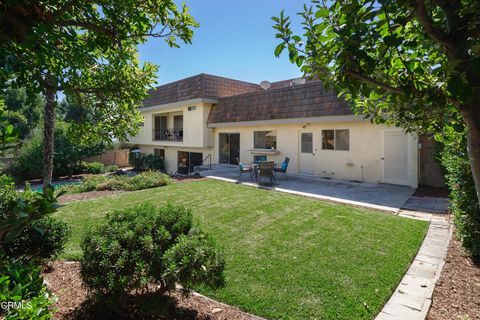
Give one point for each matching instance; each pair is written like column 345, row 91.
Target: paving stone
column 401, row 311
column 422, row 269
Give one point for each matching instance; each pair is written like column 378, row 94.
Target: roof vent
column 265, row 85
column 297, row 81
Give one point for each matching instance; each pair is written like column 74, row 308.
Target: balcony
column 174, row 135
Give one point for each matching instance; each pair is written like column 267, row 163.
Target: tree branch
column 376, row 83
column 433, row 32
column 88, row 26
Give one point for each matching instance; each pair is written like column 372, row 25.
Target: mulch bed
column 86, row 196
column 64, row 281
column 457, row 293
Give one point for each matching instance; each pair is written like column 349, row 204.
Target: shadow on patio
column 376, row 196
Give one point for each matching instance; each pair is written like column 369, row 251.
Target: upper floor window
column 265, row 139
column 336, row 139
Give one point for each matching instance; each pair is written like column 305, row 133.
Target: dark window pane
column 342, row 140
column 328, row 137
column 265, row 139
column 306, row 142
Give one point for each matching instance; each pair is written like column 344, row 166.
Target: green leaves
column 400, row 72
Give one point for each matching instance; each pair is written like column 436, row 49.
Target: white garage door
column 395, row 157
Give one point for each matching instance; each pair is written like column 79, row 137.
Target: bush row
column 144, row 180
column 459, row 179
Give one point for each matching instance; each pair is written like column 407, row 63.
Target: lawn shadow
column 144, row 306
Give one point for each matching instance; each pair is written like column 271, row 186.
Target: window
column 336, row 139
column 265, row 139
column 306, row 142
column 159, row 152
column 192, row 108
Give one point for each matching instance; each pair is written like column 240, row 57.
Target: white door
column 306, row 153
column 395, row 157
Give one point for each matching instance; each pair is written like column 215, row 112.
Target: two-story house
column 227, row 121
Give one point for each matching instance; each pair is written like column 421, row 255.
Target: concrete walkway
column 369, row 195
column 413, row 296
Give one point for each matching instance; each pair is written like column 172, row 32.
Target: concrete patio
column 377, row 196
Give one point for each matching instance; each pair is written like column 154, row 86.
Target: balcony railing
column 168, row 135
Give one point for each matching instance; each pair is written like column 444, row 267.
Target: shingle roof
column 299, row 101
column 199, row 86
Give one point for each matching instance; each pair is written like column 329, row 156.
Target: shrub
column 93, row 167
column 39, row 242
column 112, row 168
column 463, row 199
column 68, row 154
column 146, row 180
column 145, row 244
column 23, row 283
column 7, row 191
column 153, row 162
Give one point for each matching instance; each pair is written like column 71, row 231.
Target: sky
column 235, row 40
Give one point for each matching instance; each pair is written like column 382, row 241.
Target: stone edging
column 413, row 296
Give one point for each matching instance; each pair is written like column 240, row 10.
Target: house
column 207, row 118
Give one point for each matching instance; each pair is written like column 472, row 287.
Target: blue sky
column 235, row 39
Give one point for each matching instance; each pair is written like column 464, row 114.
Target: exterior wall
column 195, row 131
column 365, row 154
column 171, row 154
column 430, row 170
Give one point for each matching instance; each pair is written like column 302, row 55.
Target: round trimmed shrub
column 147, row 244
column 39, row 242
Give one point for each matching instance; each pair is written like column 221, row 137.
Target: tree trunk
column 48, row 130
column 472, row 120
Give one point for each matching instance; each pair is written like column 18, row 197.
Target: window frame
column 274, row 142
column 335, row 148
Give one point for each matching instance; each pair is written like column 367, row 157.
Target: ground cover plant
column 144, row 180
column 286, row 257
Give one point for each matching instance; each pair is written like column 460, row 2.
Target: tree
column 23, row 112
column 413, row 63
column 88, row 50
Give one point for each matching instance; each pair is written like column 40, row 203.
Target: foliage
column 92, row 167
column 68, row 154
column 383, row 57
column 144, row 244
column 23, row 210
column 7, row 191
column 463, row 200
column 22, row 111
column 414, row 64
column 112, row 168
column 89, row 51
column 144, row 180
column 153, row 162
column 41, row 241
column 24, row 283
column 146, row 162
column 8, row 133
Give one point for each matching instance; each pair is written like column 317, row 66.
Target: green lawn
column 288, row 257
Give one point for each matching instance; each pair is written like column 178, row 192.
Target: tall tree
column 413, row 63
column 88, row 50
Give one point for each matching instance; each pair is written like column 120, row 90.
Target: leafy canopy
column 88, row 50
column 409, row 63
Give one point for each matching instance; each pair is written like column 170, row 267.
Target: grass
column 288, row 257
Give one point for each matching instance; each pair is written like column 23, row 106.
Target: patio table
column 255, row 170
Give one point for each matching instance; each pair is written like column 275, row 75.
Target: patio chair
column 244, row 168
column 282, row 167
column 265, row 169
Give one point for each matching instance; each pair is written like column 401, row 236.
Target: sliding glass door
column 229, row 148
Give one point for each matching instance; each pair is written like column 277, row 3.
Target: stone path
column 413, row 296
column 427, row 204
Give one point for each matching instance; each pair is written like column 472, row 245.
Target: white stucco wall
column 366, row 149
